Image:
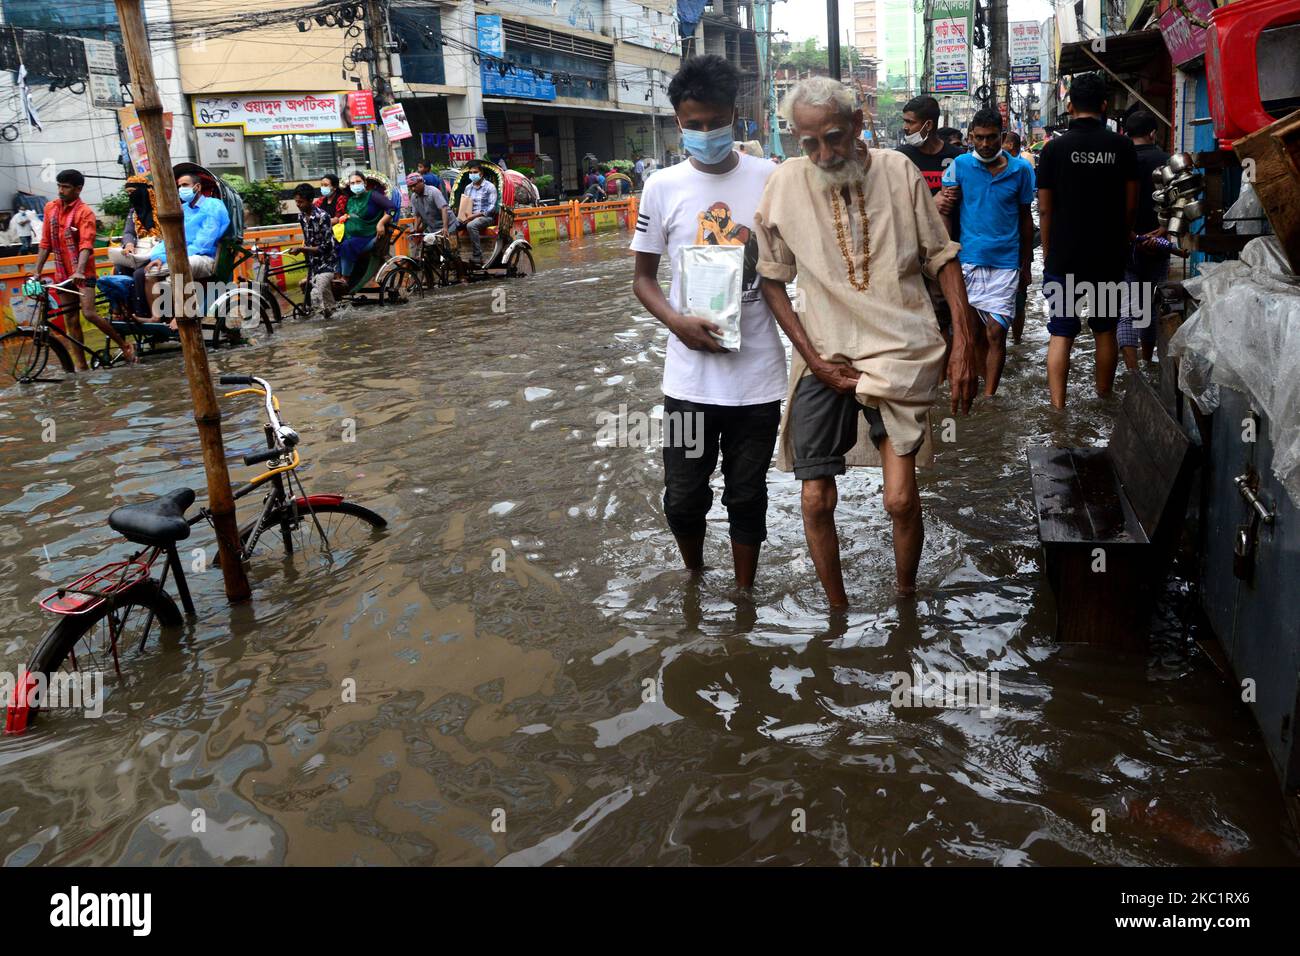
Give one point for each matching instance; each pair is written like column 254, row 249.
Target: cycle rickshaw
column 445, row 258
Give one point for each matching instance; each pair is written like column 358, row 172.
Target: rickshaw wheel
column 243, row 315
column 521, row 264
column 402, row 283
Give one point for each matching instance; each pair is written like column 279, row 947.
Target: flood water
column 535, row 680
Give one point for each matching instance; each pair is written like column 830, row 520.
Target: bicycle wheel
column 108, row 642
column 291, row 535
column 402, row 284
column 26, row 356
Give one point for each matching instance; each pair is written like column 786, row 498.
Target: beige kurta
column 889, row 332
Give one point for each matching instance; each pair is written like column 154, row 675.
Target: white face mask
column 917, row 138
column 990, row 160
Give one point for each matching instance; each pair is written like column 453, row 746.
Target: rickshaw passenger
column 318, row 247
column 432, row 214
column 369, row 212
column 332, row 199
column 483, row 208
column 206, row 221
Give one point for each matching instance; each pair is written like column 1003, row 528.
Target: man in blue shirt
column 994, row 191
column 206, row 222
column 483, row 207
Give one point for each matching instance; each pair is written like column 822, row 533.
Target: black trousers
column 746, row 437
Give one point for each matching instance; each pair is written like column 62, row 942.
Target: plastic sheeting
column 1245, row 335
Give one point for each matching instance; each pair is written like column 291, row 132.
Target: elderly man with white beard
column 858, row 228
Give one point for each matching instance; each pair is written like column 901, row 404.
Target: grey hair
column 820, row 91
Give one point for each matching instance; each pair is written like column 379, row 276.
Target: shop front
column 291, row 137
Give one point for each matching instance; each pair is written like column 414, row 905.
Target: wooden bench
column 1109, row 520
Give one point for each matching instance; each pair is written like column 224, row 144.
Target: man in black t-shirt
column 931, row 155
column 1087, row 200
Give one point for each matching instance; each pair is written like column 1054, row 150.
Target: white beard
column 851, row 172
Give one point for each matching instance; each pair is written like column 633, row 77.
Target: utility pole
column 148, row 107
column 999, row 55
column 377, row 39
column 833, row 38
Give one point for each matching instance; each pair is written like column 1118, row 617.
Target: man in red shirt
column 69, row 234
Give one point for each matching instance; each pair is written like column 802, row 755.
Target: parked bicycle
column 106, row 617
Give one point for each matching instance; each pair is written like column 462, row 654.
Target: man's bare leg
column 1130, row 357
column 1107, row 361
column 69, row 309
column 92, row 315
column 996, row 355
column 692, row 550
column 745, row 559
column 819, row 498
column 1058, row 367
column 903, row 503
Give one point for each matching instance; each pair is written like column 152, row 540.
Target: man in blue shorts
column 994, row 193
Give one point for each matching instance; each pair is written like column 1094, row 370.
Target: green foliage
column 116, row 204
column 261, row 196
column 544, row 182
column 809, row 56
column 622, row 165
column 526, row 170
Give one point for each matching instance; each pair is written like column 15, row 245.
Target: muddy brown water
column 535, row 681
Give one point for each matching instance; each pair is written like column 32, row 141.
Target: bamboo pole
column 207, row 415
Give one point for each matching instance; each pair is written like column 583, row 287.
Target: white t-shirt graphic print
column 682, row 206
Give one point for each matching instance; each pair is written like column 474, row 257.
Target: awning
column 1122, row 53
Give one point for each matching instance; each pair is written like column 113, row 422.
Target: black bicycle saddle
column 159, row 520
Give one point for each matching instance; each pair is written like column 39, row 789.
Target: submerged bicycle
column 107, row 616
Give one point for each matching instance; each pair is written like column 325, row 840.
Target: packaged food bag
column 710, row 287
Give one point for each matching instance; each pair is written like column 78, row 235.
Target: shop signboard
column 1185, row 40
column 1024, row 42
column 220, row 147
column 950, row 34
column 498, row 76
column 262, row 114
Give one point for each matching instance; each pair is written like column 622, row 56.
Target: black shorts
column 746, row 436
column 824, row 427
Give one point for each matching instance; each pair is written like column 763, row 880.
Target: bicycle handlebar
column 256, row 458
column 286, row 437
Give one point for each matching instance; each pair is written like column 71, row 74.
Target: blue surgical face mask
column 710, row 147
column 186, row 193
column 475, row 177
column 326, row 190
column 358, row 188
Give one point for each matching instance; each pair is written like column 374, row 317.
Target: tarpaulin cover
column 1245, row 335
column 688, row 14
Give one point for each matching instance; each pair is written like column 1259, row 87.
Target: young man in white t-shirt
column 733, row 398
